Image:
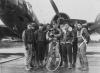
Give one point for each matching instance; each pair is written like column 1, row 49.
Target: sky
column 79, row 9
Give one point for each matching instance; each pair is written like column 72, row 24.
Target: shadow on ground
column 9, row 55
column 10, row 44
column 92, row 53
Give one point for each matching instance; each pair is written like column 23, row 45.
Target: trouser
column 33, row 62
column 60, row 51
column 28, row 54
column 40, row 51
column 69, row 52
column 75, row 48
column 82, row 55
column 63, row 52
column 46, row 51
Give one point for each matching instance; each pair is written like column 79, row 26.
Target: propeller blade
column 97, row 23
column 54, row 6
column 97, row 19
column 96, row 26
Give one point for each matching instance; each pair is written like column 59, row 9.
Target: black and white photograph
column 49, row 36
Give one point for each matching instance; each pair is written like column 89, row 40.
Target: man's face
column 29, row 27
column 48, row 26
column 61, row 26
column 75, row 24
column 79, row 26
column 40, row 27
column 33, row 27
column 55, row 26
column 66, row 26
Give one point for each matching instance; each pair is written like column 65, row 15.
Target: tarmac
column 14, row 62
column 17, row 66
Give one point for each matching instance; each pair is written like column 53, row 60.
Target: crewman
column 41, row 44
column 29, row 41
column 83, row 36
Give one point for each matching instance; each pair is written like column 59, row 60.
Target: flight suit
column 41, row 45
column 29, row 41
column 75, row 47
column 83, row 36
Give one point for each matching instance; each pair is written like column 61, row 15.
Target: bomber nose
column 2, row 3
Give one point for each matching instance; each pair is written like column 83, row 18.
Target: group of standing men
column 72, row 40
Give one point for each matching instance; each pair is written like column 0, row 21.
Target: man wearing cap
column 29, row 41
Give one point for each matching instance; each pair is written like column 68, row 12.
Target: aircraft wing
column 95, row 26
column 5, row 31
